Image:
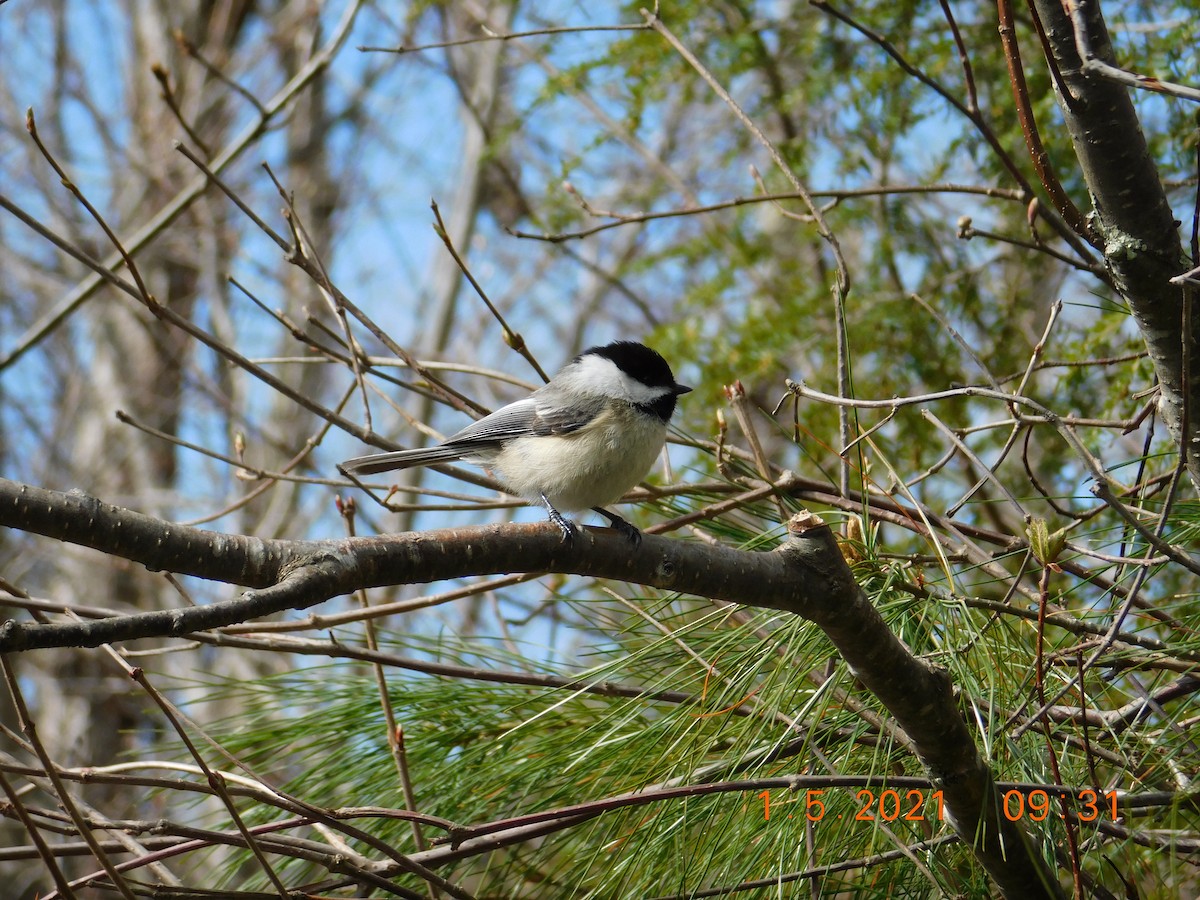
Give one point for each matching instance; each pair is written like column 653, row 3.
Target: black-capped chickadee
column 578, row 442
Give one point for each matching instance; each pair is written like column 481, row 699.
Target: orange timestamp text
column 1035, row 805
column 886, row 806
column 912, row 805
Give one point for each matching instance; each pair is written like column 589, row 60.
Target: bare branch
column 185, row 198
column 806, row 576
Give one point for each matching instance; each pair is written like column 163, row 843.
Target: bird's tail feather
column 400, row 459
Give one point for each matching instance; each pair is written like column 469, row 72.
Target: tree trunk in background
column 134, row 363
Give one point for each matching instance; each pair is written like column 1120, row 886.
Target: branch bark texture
column 806, row 576
column 1131, row 216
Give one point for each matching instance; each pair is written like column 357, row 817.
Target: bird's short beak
column 681, row 389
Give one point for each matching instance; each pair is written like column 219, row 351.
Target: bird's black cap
column 640, row 362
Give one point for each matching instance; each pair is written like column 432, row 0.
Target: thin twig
column 69, row 184
column 964, row 59
column 837, row 196
column 1066, row 232
column 1094, row 65
column 841, row 287
column 44, row 852
column 59, row 313
column 736, row 394
column 966, row 231
column 1039, row 674
column 191, row 50
column 1014, row 433
column 215, row 781
column 955, row 336
column 1041, row 413
column 163, row 77
column 512, row 338
column 232, row 195
column 1033, row 140
column 51, row 770
column 988, row 471
column 395, row 734
column 512, row 36
column 307, row 250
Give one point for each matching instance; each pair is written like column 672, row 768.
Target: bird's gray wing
column 538, row 415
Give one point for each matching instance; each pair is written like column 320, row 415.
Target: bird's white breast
column 590, row 467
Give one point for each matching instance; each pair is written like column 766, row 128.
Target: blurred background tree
column 595, row 186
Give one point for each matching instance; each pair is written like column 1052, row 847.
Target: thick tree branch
column 1131, row 218
column 806, row 576
column 299, row 574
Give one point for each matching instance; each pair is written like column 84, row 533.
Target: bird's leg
column 568, row 530
column 618, row 524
